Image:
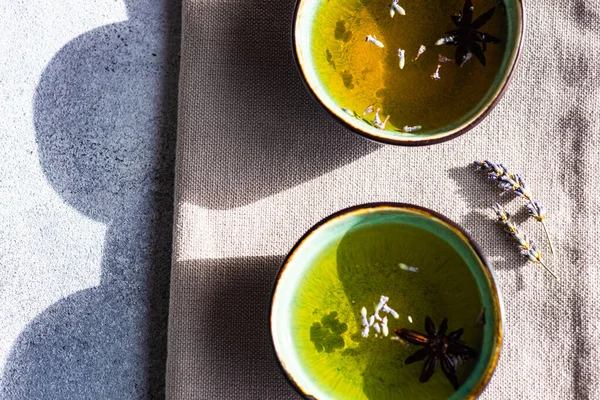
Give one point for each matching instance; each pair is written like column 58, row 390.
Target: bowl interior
column 349, row 261
column 304, row 38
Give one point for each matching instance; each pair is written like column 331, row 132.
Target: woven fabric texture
column 258, row 163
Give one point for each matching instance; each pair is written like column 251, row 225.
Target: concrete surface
column 88, row 93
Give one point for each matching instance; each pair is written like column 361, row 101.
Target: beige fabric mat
column 259, row 163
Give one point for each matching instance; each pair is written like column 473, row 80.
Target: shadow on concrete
column 105, row 119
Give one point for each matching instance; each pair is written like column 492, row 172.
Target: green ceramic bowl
column 346, row 262
column 302, row 36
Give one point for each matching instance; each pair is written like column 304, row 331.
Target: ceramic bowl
column 302, row 44
column 361, row 242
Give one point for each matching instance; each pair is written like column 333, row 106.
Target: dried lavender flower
column 365, row 322
column 377, row 327
column 365, row 331
column 436, row 75
column 378, row 122
column 409, row 129
column 363, row 316
column 421, row 51
column 402, row 59
column 375, row 321
column 382, row 300
column 514, row 183
column 395, row 8
column 373, row 39
column 444, row 40
column 387, row 309
column 405, row 267
column 384, row 327
column 371, row 320
column 537, row 211
column 506, row 179
column 525, row 245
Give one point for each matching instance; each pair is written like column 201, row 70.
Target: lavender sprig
column 537, row 211
column 525, row 245
column 510, row 182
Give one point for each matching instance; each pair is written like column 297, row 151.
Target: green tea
column 431, row 90
column 420, row 273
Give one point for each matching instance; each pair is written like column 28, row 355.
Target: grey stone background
column 88, row 92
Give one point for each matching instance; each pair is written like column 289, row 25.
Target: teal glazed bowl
column 424, row 264
column 304, row 36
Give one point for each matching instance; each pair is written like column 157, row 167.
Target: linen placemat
column 258, row 163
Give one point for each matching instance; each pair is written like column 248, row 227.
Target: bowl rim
column 491, row 280
column 418, row 142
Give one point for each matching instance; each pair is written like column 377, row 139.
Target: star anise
column 438, row 347
column 466, row 34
